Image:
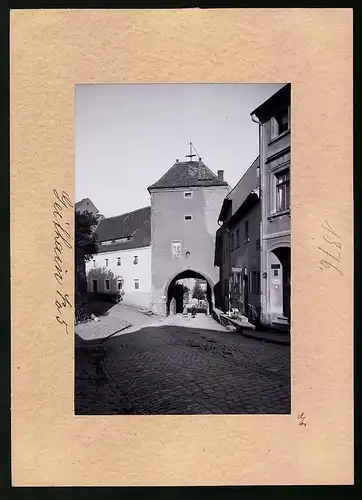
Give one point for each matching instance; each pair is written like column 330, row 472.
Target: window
column 237, row 238
column 119, row 284
column 94, row 263
column 135, row 260
column 282, row 190
column 257, row 244
column 279, row 123
column 136, row 284
column 106, row 262
column 247, row 232
column 107, row 284
column 188, row 217
column 118, row 261
column 232, row 242
column 188, row 194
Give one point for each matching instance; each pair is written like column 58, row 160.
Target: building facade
column 237, row 251
column 123, row 262
column 273, row 117
column 185, row 205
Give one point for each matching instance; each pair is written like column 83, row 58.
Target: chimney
column 220, row 174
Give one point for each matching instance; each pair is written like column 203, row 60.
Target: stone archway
column 172, row 291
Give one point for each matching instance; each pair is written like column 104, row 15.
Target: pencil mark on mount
column 333, row 243
column 301, row 420
column 62, row 240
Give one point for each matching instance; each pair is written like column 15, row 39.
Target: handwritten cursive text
column 331, row 255
column 62, row 239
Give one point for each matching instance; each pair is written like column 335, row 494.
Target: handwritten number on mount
column 333, row 256
column 301, row 420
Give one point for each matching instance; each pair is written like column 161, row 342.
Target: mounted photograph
column 182, row 249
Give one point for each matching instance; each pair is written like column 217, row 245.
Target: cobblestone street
column 178, row 370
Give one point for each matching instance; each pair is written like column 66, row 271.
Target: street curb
column 114, row 333
column 264, row 339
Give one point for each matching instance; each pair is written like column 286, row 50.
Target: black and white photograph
column 182, row 249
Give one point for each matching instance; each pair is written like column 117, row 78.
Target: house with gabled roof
column 237, row 249
column 86, row 205
column 123, row 261
column 185, row 204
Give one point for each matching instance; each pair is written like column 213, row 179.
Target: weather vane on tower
column 191, row 155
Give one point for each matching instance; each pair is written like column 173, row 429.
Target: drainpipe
column 263, row 290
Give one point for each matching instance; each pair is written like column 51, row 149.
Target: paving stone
column 173, row 369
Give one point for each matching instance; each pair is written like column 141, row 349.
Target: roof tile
column 136, row 224
column 188, row 174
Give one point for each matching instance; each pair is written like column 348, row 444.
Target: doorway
column 95, row 286
column 283, row 255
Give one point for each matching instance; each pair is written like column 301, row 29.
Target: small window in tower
column 188, row 217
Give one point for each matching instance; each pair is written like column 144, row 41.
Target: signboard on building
column 176, row 249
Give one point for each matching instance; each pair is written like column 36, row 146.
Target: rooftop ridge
column 126, row 213
column 244, row 174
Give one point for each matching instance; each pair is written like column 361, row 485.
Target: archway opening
column 188, row 288
column 283, row 256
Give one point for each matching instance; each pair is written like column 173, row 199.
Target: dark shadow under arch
column 173, row 291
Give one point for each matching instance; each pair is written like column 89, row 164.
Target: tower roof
column 188, row 174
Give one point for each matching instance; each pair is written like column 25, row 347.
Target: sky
column 128, row 136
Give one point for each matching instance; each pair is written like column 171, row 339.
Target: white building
column 123, row 261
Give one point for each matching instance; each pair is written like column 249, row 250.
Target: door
column 95, row 286
column 286, row 286
column 246, row 294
